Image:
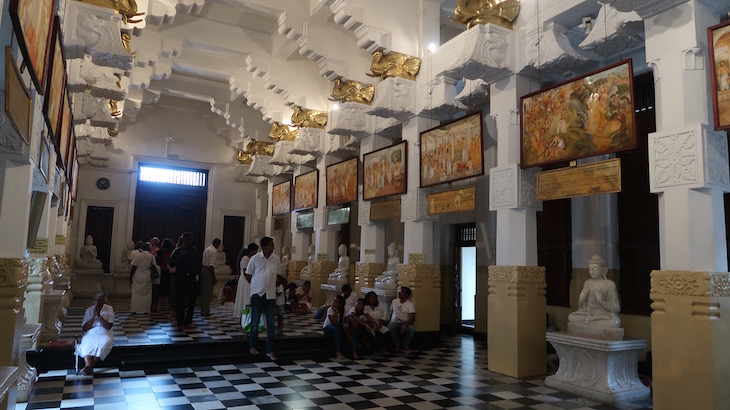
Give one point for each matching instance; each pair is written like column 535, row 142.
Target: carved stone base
column 690, row 327
column 578, row 329
column 52, row 306
column 516, row 320
column 320, row 272
column 330, row 291
column 425, row 284
column 88, row 283
column 121, row 285
column 295, row 268
column 602, row 370
column 27, row 373
column 365, row 274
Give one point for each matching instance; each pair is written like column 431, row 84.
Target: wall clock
column 102, row 183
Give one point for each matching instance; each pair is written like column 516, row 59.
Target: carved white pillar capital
column 319, row 219
column 438, row 98
column 95, row 31
column 513, row 187
column 695, row 157
column 310, row 142
column 483, row 51
column 550, row 51
column 83, row 75
column 94, row 109
column 644, row 8
column 350, row 119
column 414, row 206
column 614, row 31
column 395, row 97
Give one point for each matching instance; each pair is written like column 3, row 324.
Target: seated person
column 228, row 293
column 350, row 297
column 332, row 325
column 280, row 301
column 374, row 316
column 356, row 327
column 98, row 336
column 291, row 296
column 304, row 295
column 402, row 319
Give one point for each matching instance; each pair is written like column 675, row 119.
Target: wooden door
column 233, row 231
column 99, row 223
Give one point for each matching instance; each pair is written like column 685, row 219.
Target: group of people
column 362, row 322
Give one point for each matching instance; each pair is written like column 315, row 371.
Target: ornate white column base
column 51, row 310
column 27, row 373
column 88, row 282
column 330, row 291
column 602, row 370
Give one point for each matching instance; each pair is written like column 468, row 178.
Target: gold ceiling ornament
column 281, row 132
column 112, row 132
column 244, row 157
column 114, row 107
column 127, row 42
column 127, row 8
column 252, row 148
column 304, row 117
column 473, row 12
column 394, row 65
column 352, row 91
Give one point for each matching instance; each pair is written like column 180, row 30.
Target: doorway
column 466, row 276
column 99, row 220
column 233, row 230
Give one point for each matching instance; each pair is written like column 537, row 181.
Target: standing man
column 207, row 277
column 185, row 261
column 262, row 271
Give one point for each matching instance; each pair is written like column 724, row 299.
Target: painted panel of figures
column 385, row 171
column 584, row 117
column 719, row 40
column 342, row 182
column 33, row 22
column 452, row 151
column 55, row 91
column 281, row 203
column 305, row 190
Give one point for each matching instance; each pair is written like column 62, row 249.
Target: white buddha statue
column 307, row 270
column 219, row 262
column 598, row 305
column 342, row 273
column 88, row 255
column 389, row 278
column 123, row 265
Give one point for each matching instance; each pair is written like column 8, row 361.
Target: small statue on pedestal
column 123, row 265
column 307, row 270
column 598, row 305
column 342, row 273
column 88, row 255
column 389, row 278
column 219, row 262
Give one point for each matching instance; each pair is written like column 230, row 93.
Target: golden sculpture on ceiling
column 127, row 8
column 114, row 108
column 304, row 117
column 252, row 148
column 473, row 12
column 394, row 65
column 282, row 132
column 352, row 91
column 127, row 42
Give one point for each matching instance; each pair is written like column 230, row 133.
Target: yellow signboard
column 385, row 210
column 39, row 246
column 60, row 240
column 597, row 178
column 456, row 200
column 416, row 259
column 321, row 256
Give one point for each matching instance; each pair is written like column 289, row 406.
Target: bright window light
column 173, row 176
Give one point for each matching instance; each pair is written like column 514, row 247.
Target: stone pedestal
column 320, row 272
column 425, row 284
column 602, row 370
column 690, row 327
column 330, row 291
column 13, row 282
column 88, row 282
column 27, row 373
column 295, row 268
column 51, row 310
column 516, row 320
column 365, row 274
column 121, row 285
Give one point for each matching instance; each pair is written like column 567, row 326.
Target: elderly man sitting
column 98, row 337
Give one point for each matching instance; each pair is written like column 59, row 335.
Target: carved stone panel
column 395, row 97
column 95, row 31
column 414, row 206
column 644, row 8
column 503, row 187
column 480, row 52
column 438, row 98
column 103, row 82
column 309, row 142
column 350, row 119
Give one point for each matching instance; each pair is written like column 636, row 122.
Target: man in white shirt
column 402, row 319
column 262, row 270
column 207, row 277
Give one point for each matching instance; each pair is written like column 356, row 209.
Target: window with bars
column 466, row 235
column 173, row 176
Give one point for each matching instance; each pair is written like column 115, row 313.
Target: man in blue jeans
column 262, row 271
column 402, row 319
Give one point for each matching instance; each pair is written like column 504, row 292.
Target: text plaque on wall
column 591, row 179
column 455, row 200
column 385, row 210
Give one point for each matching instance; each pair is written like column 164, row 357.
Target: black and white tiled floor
column 454, row 376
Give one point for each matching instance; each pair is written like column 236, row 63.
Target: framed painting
column 281, row 198
column 583, row 117
column 75, row 177
column 33, row 24
column 342, row 182
column 18, row 103
column 385, row 171
column 65, row 130
column 44, row 157
column 718, row 37
column 306, row 188
column 452, row 151
column 55, row 89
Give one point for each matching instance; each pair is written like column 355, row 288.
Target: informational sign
column 416, row 259
column 455, row 200
column 60, row 240
column 39, row 246
column 597, row 178
column 322, row 257
column 369, row 251
column 385, row 210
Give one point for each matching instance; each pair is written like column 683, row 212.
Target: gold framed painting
column 65, row 130
column 306, row 190
column 55, row 89
column 583, row 117
column 385, row 171
column 718, row 38
column 452, row 151
column 33, row 24
column 281, row 198
column 341, row 182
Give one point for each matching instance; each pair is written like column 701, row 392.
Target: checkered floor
column 158, row 328
column 452, row 376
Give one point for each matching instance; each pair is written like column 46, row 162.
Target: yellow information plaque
column 385, row 210
column 321, row 257
column 456, row 200
column 39, row 246
column 597, row 178
column 60, row 240
column 416, row 259
column 369, row 251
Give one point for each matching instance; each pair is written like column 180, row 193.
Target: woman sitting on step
column 98, row 336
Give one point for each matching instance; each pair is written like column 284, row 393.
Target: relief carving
column 675, row 159
column 395, row 98
column 517, row 274
column 718, row 172
column 503, row 187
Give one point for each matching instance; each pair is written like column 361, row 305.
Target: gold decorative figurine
column 114, row 108
column 352, row 91
column 254, row 147
column 473, row 12
column 282, row 132
column 394, row 65
column 304, row 117
column 127, row 8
